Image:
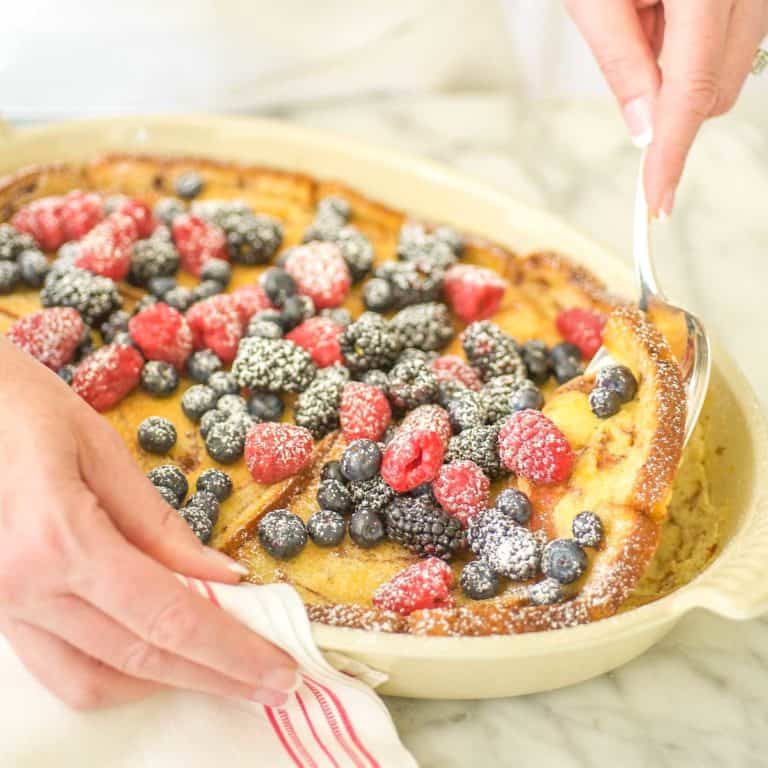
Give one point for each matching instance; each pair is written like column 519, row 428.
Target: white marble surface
column 699, row 698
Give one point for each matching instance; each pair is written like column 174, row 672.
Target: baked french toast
column 623, row 465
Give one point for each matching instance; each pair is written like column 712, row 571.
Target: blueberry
column 159, row 286
column 515, row 504
column 564, row 560
column 207, row 501
column 366, row 529
column 231, row 404
column 331, row 471
column 545, row 592
column 225, row 441
column 526, row 396
column 537, row 361
column 376, row 378
column 189, row 185
column 218, row 270
column 326, row 528
column 339, row 315
column 209, row 418
column 206, row 288
column 566, row 361
column 264, row 328
column 198, row 520
column 166, row 210
column 587, row 529
column 335, row 206
column 33, row 267
column 604, row 402
column 156, row 435
column 361, row 460
column 478, row 581
column 169, row 496
column 216, row 482
column 10, row 274
column 619, row 379
column 332, row 494
column 242, row 421
column 282, row 534
column 197, row 400
column 425, row 489
column 223, row 383
column 66, row 373
column 378, row 295
column 293, row 313
column 116, row 323
column 169, row 476
column 180, row 298
column 265, row 406
column 202, row 364
column 278, row 285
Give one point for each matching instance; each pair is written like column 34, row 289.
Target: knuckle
column 701, row 93
column 726, row 100
column 138, row 660
column 173, row 624
column 617, row 68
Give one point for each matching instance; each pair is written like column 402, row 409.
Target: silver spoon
column 697, row 360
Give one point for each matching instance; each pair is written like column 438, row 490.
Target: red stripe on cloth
column 276, row 728
column 314, row 732
column 332, row 722
column 211, row 594
column 285, row 721
column 348, row 724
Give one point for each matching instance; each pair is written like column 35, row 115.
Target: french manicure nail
column 637, row 116
column 667, row 204
column 270, row 698
column 282, row 679
column 226, row 561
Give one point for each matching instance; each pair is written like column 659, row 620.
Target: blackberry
column 93, row 296
column 159, row 286
column 225, row 441
column 66, row 373
column 566, row 361
column 332, row 471
column 326, row 528
column 325, row 226
column 168, row 496
column 169, row 476
column 116, row 323
column 618, row 379
column 526, row 397
column 411, row 383
column 424, row 326
column 466, row 410
column 535, row 355
column 411, row 283
column 411, row 354
column 206, row 288
column 563, row 560
column 188, row 185
column 218, row 270
column 357, row 251
column 372, row 495
column 336, row 206
column 202, row 365
column 273, row 364
column 360, row 460
column 334, row 495
column 265, row 406
column 163, row 233
column 425, row 489
column 152, row 258
column 216, row 211
column 159, row 378
column 452, row 239
column 478, row 444
column 223, row 383
column 207, row 501
column 33, row 267
column 604, row 402
column 86, row 345
column 495, row 395
column 376, row 378
column 514, row 504
column 546, row 592
column 448, row 389
column 339, row 315
column 422, row 527
column 180, row 297
column 378, row 295
column 197, row 400
column 478, row 581
column 587, row 529
column 282, row 534
column 317, row 407
column 418, row 246
column 491, row 351
column 251, row 238
column 13, row 242
column 366, row 529
column 167, row 209
column 209, row 418
column 216, row 482
column 370, row 342
column 265, row 328
column 199, row 521
column 156, row 435
column 278, row 285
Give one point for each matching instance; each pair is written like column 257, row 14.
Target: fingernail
column 226, row 561
column 270, row 698
column 667, row 204
column 637, row 116
column 282, row 679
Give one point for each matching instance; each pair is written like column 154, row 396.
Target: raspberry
column 461, row 488
column 53, row 221
column 473, row 293
column 51, row 336
column 453, row 368
column 275, row 451
column 249, row 300
column 139, row 211
column 197, row 241
column 431, row 418
column 320, row 272
column 108, row 375
column 216, row 325
column 107, row 249
column 533, row 447
column 423, row 585
column 412, row 457
column 162, row 333
column 320, row 337
column 582, row 327
column 364, row 412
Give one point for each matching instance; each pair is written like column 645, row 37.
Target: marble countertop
column 700, row 697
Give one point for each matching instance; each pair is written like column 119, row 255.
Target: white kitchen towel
column 332, row 721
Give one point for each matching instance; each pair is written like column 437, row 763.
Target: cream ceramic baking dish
column 735, row 585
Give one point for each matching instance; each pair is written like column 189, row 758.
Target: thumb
column 140, row 513
column 615, row 34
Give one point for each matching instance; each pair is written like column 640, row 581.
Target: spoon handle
column 641, row 246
